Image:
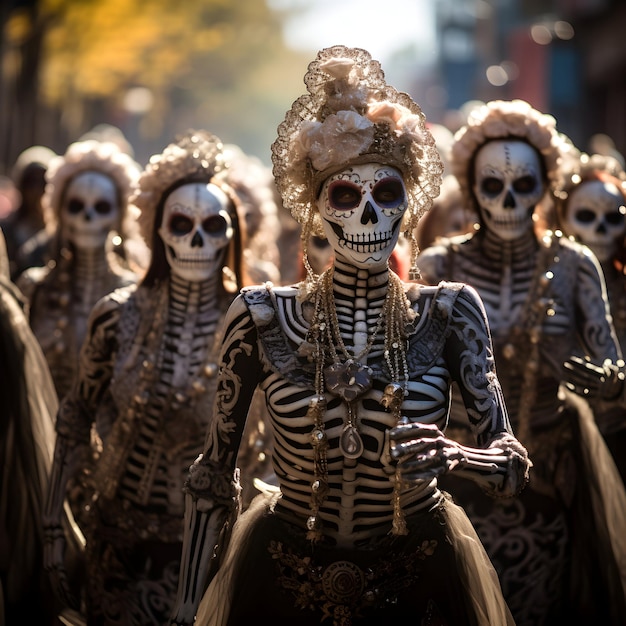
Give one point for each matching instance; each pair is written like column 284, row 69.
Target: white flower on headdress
column 338, row 139
column 340, row 68
column 385, row 112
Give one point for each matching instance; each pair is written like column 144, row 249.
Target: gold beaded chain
column 397, row 316
column 332, row 329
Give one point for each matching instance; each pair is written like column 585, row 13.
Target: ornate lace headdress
column 350, row 115
column 508, row 119
column 84, row 156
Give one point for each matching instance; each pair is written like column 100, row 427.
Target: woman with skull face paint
column 355, row 367
column 558, row 547
column 85, row 205
column 591, row 210
column 147, row 372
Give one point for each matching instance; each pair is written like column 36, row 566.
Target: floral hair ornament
column 591, row 167
column 508, row 119
column 349, row 116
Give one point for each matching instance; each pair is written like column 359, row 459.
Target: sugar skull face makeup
column 361, row 209
column 507, row 186
column 196, row 229
column 596, row 217
column 90, row 210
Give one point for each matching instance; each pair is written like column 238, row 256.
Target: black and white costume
column 557, row 547
column 355, row 367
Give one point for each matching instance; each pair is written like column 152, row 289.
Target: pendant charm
column 350, row 442
column 393, row 397
column 348, row 380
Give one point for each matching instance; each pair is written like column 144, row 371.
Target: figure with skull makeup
column 591, row 209
column 557, row 547
column 355, row 367
column 147, row 372
column 86, row 205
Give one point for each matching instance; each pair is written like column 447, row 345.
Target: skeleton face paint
column 361, row 209
column 90, row 210
column 196, row 229
column 508, row 186
column 595, row 217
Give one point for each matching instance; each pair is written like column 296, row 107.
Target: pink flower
column 385, row 112
column 341, row 137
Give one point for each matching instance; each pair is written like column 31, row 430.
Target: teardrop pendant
column 350, row 442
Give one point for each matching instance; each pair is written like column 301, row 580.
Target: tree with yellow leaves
column 151, row 67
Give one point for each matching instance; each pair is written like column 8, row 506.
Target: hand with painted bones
column 604, row 382
column 422, row 452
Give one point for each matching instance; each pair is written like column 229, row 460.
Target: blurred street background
column 154, row 68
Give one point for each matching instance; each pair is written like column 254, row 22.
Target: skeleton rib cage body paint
column 359, row 504
column 592, row 210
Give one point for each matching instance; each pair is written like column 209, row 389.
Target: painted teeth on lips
column 372, row 242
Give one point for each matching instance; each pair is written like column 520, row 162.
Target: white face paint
column 595, row 217
column 90, row 210
column 361, row 209
column 196, row 229
column 508, row 186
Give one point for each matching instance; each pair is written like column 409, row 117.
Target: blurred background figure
column 604, row 145
column 592, row 210
column 28, row 405
column 27, row 218
column 112, row 134
column 444, row 138
column 449, row 215
column 558, row 546
column 289, row 246
column 9, row 197
column 253, row 183
column 86, row 207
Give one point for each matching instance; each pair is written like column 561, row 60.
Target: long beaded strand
column 398, row 317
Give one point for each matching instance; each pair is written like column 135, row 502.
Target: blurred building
column 565, row 57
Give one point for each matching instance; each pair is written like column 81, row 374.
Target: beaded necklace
column 177, row 408
column 525, row 336
column 349, row 380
